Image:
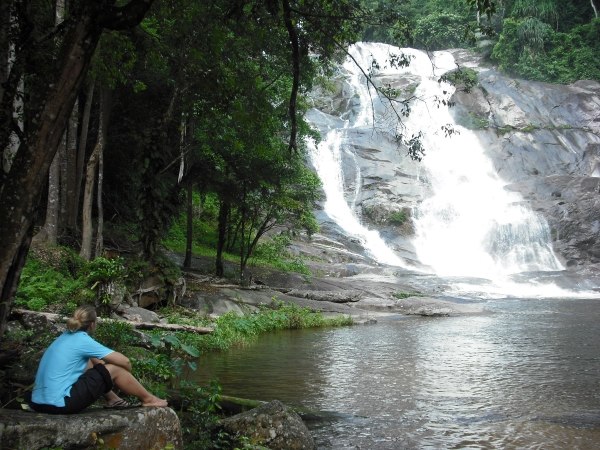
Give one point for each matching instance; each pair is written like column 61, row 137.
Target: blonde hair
column 82, row 318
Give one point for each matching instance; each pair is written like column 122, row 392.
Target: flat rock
column 132, row 429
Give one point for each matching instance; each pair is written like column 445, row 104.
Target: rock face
column 273, row 425
column 133, row 429
column 543, row 141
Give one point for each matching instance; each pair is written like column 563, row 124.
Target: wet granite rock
column 132, row 429
column 272, row 425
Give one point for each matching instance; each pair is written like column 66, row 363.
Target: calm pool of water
column 526, row 376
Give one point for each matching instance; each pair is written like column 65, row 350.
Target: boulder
column 138, row 314
column 40, row 324
column 272, row 425
column 132, row 429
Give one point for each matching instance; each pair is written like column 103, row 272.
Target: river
column 525, row 376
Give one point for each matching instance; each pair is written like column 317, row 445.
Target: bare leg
column 130, row 386
column 110, row 396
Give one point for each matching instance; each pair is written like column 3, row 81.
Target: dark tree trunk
column 187, row 263
column 85, row 123
column 13, row 276
column 5, row 7
column 104, row 120
column 71, row 176
column 222, row 228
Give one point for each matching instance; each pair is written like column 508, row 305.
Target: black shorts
column 88, row 388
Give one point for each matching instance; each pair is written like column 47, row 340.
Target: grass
column 232, row 330
column 403, row 295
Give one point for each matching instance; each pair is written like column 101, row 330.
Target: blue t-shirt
column 62, row 364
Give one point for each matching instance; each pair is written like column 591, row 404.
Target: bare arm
column 118, row 359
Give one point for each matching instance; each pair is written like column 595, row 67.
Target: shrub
column 397, row 218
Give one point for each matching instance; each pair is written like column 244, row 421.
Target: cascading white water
column 470, row 225
column 326, row 158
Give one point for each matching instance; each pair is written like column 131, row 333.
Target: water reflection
column 526, row 377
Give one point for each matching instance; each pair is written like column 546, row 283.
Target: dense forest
column 181, row 122
column 543, row 40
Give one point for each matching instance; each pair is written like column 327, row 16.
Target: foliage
column 42, row 285
column 203, row 407
column 103, row 270
column 116, row 335
column 397, row 218
column 167, row 270
column 403, row 295
column 274, row 253
column 440, row 30
column 542, row 42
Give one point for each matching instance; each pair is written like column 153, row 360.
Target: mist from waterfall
column 470, row 225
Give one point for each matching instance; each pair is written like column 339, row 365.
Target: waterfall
column 326, row 158
column 468, row 224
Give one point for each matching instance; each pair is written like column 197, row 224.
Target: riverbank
column 230, row 314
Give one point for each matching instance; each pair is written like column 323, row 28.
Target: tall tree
column 20, row 188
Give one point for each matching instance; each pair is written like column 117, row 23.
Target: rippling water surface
column 524, row 377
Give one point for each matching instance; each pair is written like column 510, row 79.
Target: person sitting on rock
column 75, row 371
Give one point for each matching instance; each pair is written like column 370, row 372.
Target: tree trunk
column 265, row 226
column 88, row 194
column 243, row 218
column 187, row 263
column 86, row 213
column 222, row 227
column 5, row 8
column 99, row 233
column 13, row 276
column 20, row 189
column 104, row 119
column 71, row 177
column 18, row 105
column 49, row 231
column 85, row 122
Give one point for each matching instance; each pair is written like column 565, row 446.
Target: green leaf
column 190, row 350
column 172, row 340
column 192, row 365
